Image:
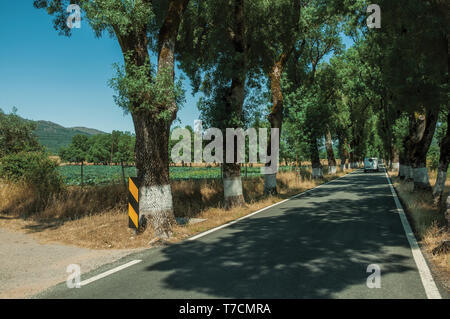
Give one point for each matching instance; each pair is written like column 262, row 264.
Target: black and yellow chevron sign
column 133, row 203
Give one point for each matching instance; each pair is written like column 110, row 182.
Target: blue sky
column 60, row 79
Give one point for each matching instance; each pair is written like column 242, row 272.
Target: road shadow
column 311, row 247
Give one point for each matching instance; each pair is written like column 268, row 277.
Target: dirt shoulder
column 28, row 267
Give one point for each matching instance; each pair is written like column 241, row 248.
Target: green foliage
column 99, row 149
column 433, row 156
column 16, row 134
column 22, row 159
column 434, row 152
column 139, row 89
column 364, row 96
column 125, row 145
column 94, row 174
column 105, row 175
column 126, row 16
column 105, row 149
column 137, row 25
column 53, row 136
column 76, row 152
column 35, row 169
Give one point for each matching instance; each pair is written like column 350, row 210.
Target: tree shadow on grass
column 40, row 226
column 9, row 217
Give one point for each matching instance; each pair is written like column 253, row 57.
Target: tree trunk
column 232, row 179
column 424, row 126
column 352, row 155
column 275, row 116
column 406, row 157
column 232, row 185
column 152, row 163
column 152, row 129
column 317, row 168
column 402, row 163
column 330, row 153
column 351, row 159
column 444, row 161
column 343, row 153
column 356, row 149
column 395, row 159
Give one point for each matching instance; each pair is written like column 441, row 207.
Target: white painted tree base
column 395, row 167
column 408, row 171
column 440, row 183
column 342, row 167
column 232, row 186
column 332, row 170
column 155, row 199
column 270, row 183
column 317, row 173
column 447, row 212
column 401, row 171
column 421, row 175
column 156, row 206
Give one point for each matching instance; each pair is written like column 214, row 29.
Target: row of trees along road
column 105, row 149
column 284, row 59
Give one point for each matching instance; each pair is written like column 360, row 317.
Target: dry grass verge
column 428, row 223
column 96, row 217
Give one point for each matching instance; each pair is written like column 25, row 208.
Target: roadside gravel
column 28, row 267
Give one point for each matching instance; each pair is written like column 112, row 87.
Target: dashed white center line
column 109, row 272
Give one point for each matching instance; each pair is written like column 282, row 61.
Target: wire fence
column 104, row 175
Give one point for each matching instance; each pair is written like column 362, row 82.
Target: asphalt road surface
column 317, row 245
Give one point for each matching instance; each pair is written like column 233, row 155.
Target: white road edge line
column 425, row 274
column 261, row 210
column 109, row 272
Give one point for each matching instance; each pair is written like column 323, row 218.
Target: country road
column 317, row 245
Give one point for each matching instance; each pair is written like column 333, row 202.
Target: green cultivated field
column 101, row 175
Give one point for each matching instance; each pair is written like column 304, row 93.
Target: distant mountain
column 89, row 131
column 54, row 136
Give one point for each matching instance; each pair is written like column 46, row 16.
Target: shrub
column 36, row 170
column 433, row 157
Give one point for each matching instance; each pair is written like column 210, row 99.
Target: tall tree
column 215, row 55
column 150, row 96
column 444, row 161
column 310, row 86
column 124, row 151
column 16, row 134
column 418, row 83
column 76, row 152
column 280, row 37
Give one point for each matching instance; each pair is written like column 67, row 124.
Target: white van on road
column 371, row 164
